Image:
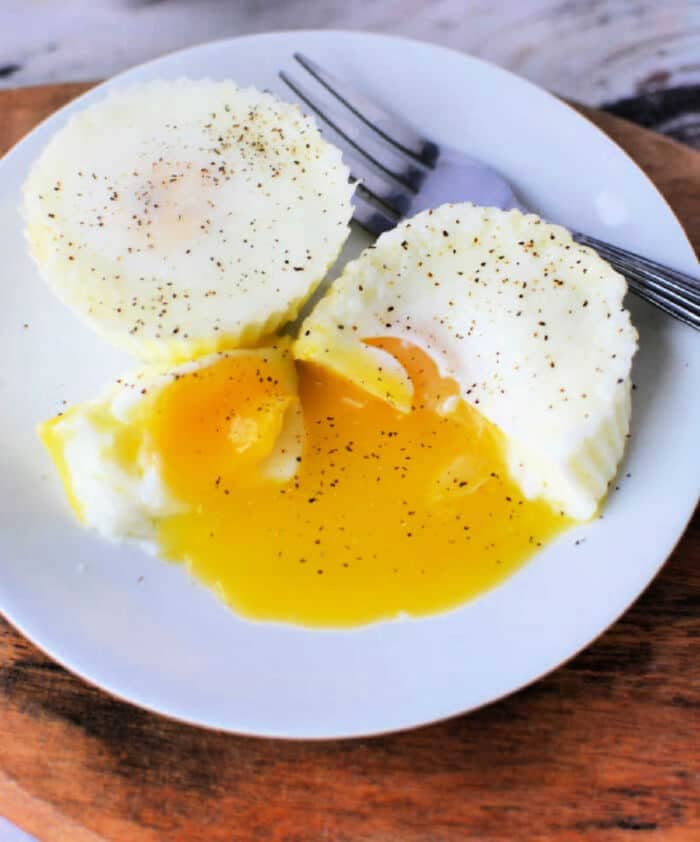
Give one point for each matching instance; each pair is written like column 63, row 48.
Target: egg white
column 184, row 217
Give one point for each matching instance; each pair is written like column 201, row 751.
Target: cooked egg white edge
column 118, row 503
column 530, row 324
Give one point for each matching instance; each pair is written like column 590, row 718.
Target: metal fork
column 401, row 173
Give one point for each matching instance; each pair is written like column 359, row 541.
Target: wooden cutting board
column 606, row 748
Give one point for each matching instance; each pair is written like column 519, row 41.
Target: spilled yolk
column 388, row 513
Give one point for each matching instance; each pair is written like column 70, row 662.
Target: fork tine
column 345, row 125
column 381, row 189
column 386, row 126
column 375, row 181
column 392, row 198
column 368, row 216
column 375, row 184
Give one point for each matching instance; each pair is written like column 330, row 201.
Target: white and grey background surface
column 639, row 58
column 596, row 51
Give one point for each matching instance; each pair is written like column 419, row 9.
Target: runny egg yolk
column 389, row 513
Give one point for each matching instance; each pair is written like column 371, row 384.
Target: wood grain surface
column 606, row 748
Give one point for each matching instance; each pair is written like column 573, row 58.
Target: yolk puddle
column 389, row 513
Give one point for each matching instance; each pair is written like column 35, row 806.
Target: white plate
column 139, row 628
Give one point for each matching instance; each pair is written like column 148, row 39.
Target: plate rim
column 352, row 733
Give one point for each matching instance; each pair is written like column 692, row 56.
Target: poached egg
column 185, row 217
column 530, row 325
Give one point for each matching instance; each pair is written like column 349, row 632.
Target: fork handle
column 677, row 293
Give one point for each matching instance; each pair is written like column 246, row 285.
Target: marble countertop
column 597, row 52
